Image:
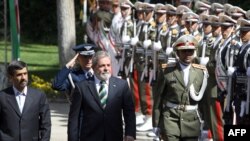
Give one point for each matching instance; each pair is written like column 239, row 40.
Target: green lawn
column 42, row 60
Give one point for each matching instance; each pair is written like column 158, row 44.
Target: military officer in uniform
column 180, row 10
column 180, row 89
column 242, row 63
column 173, row 30
column 74, row 72
column 215, row 114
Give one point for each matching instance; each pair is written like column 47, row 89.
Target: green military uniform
column 176, row 110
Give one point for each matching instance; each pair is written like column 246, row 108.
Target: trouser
column 142, row 91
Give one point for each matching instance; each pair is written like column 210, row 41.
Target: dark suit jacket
column 33, row 124
column 100, row 124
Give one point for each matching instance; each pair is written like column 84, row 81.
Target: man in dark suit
column 24, row 111
column 103, row 105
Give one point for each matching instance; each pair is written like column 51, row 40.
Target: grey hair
column 99, row 55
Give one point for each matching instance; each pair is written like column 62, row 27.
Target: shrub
column 44, row 86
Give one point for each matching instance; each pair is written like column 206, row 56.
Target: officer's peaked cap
column 248, row 14
column 85, row 49
column 205, row 18
column 226, row 20
column 244, row 24
column 139, row 5
column 236, row 11
column 171, row 9
column 214, row 20
column 185, row 42
column 181, row 9
column 202, row 5
column 126, row 3
column 190, row 16
column 160, row 8
column 217, row 7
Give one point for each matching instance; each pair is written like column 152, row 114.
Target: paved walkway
column 59, row 117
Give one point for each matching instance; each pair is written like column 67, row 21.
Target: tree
column 66, row 29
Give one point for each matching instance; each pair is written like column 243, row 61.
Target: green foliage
column 244, row 4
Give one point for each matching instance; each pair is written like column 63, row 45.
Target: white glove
column 204, row 60
column 248, row 71
column 125, row 39
column 147, row 43
column 230, row 71
column 169, row 50
column 157, row 46
column 134, row 40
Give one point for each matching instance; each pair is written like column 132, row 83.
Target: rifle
column 131, row 63
column 145, row 70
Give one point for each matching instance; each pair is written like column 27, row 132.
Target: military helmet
column 185, row 42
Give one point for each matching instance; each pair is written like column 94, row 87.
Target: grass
column 42, row 60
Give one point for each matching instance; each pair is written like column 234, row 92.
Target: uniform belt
column 181, row 106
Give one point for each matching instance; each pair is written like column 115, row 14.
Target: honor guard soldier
column 180, row 10
column 236, row 13
column 217, row 9
column 213, row 115
column 191, row 23
column 74, row 72
column 180, row 89
column 143, row 42
column 173, row 31
column 207, row 39
column 120, row 34
column 202, row 7
column 226, row 55
column 242, row 89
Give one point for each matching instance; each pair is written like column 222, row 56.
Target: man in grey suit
column 103, row 105
column 24, row 111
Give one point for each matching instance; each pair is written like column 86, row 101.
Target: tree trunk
column 66, row 30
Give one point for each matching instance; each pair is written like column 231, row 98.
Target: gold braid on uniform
column 197, row 96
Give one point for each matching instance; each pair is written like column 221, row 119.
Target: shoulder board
column 164, row 28
column 165, row 65
column 198, row 66
column 174, row 31
column 153, row 24
column 186, row 32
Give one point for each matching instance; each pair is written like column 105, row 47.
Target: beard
column 104, row 76
column 23, row 83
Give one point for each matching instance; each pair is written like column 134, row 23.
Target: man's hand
column 72, row 62
column 128, row 138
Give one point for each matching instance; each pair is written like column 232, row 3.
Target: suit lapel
column 12, row 101
column 94, row 93
column 28, row 100
column 179, row 75
column 112, row 90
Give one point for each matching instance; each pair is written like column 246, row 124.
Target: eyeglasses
column 187, row 50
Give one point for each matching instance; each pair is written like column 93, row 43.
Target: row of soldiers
column 140, row 39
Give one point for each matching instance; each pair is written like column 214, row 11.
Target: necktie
column 21, row 100
column 103, row 94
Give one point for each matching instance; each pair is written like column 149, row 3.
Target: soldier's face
column 226, row 31
column 148, row 15
column 186, row 55
column 171, row 19
column 139, row 15
column 191, row 26
column 160, row 17
column 245, row 36
column 207, row 28
column 115, row 8
column 216, row 31
column 125, row 11
column 85, row 61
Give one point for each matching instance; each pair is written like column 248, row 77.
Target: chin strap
column 197, row 96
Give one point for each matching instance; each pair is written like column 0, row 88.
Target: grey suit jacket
column 33, row 124
column 98, row 124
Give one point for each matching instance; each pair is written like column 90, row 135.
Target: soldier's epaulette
column 164, row 28
column 153, row 23
column 174, row 31
column 198, row 66
column 165, row 65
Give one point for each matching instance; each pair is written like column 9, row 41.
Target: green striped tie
column 103, row 94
